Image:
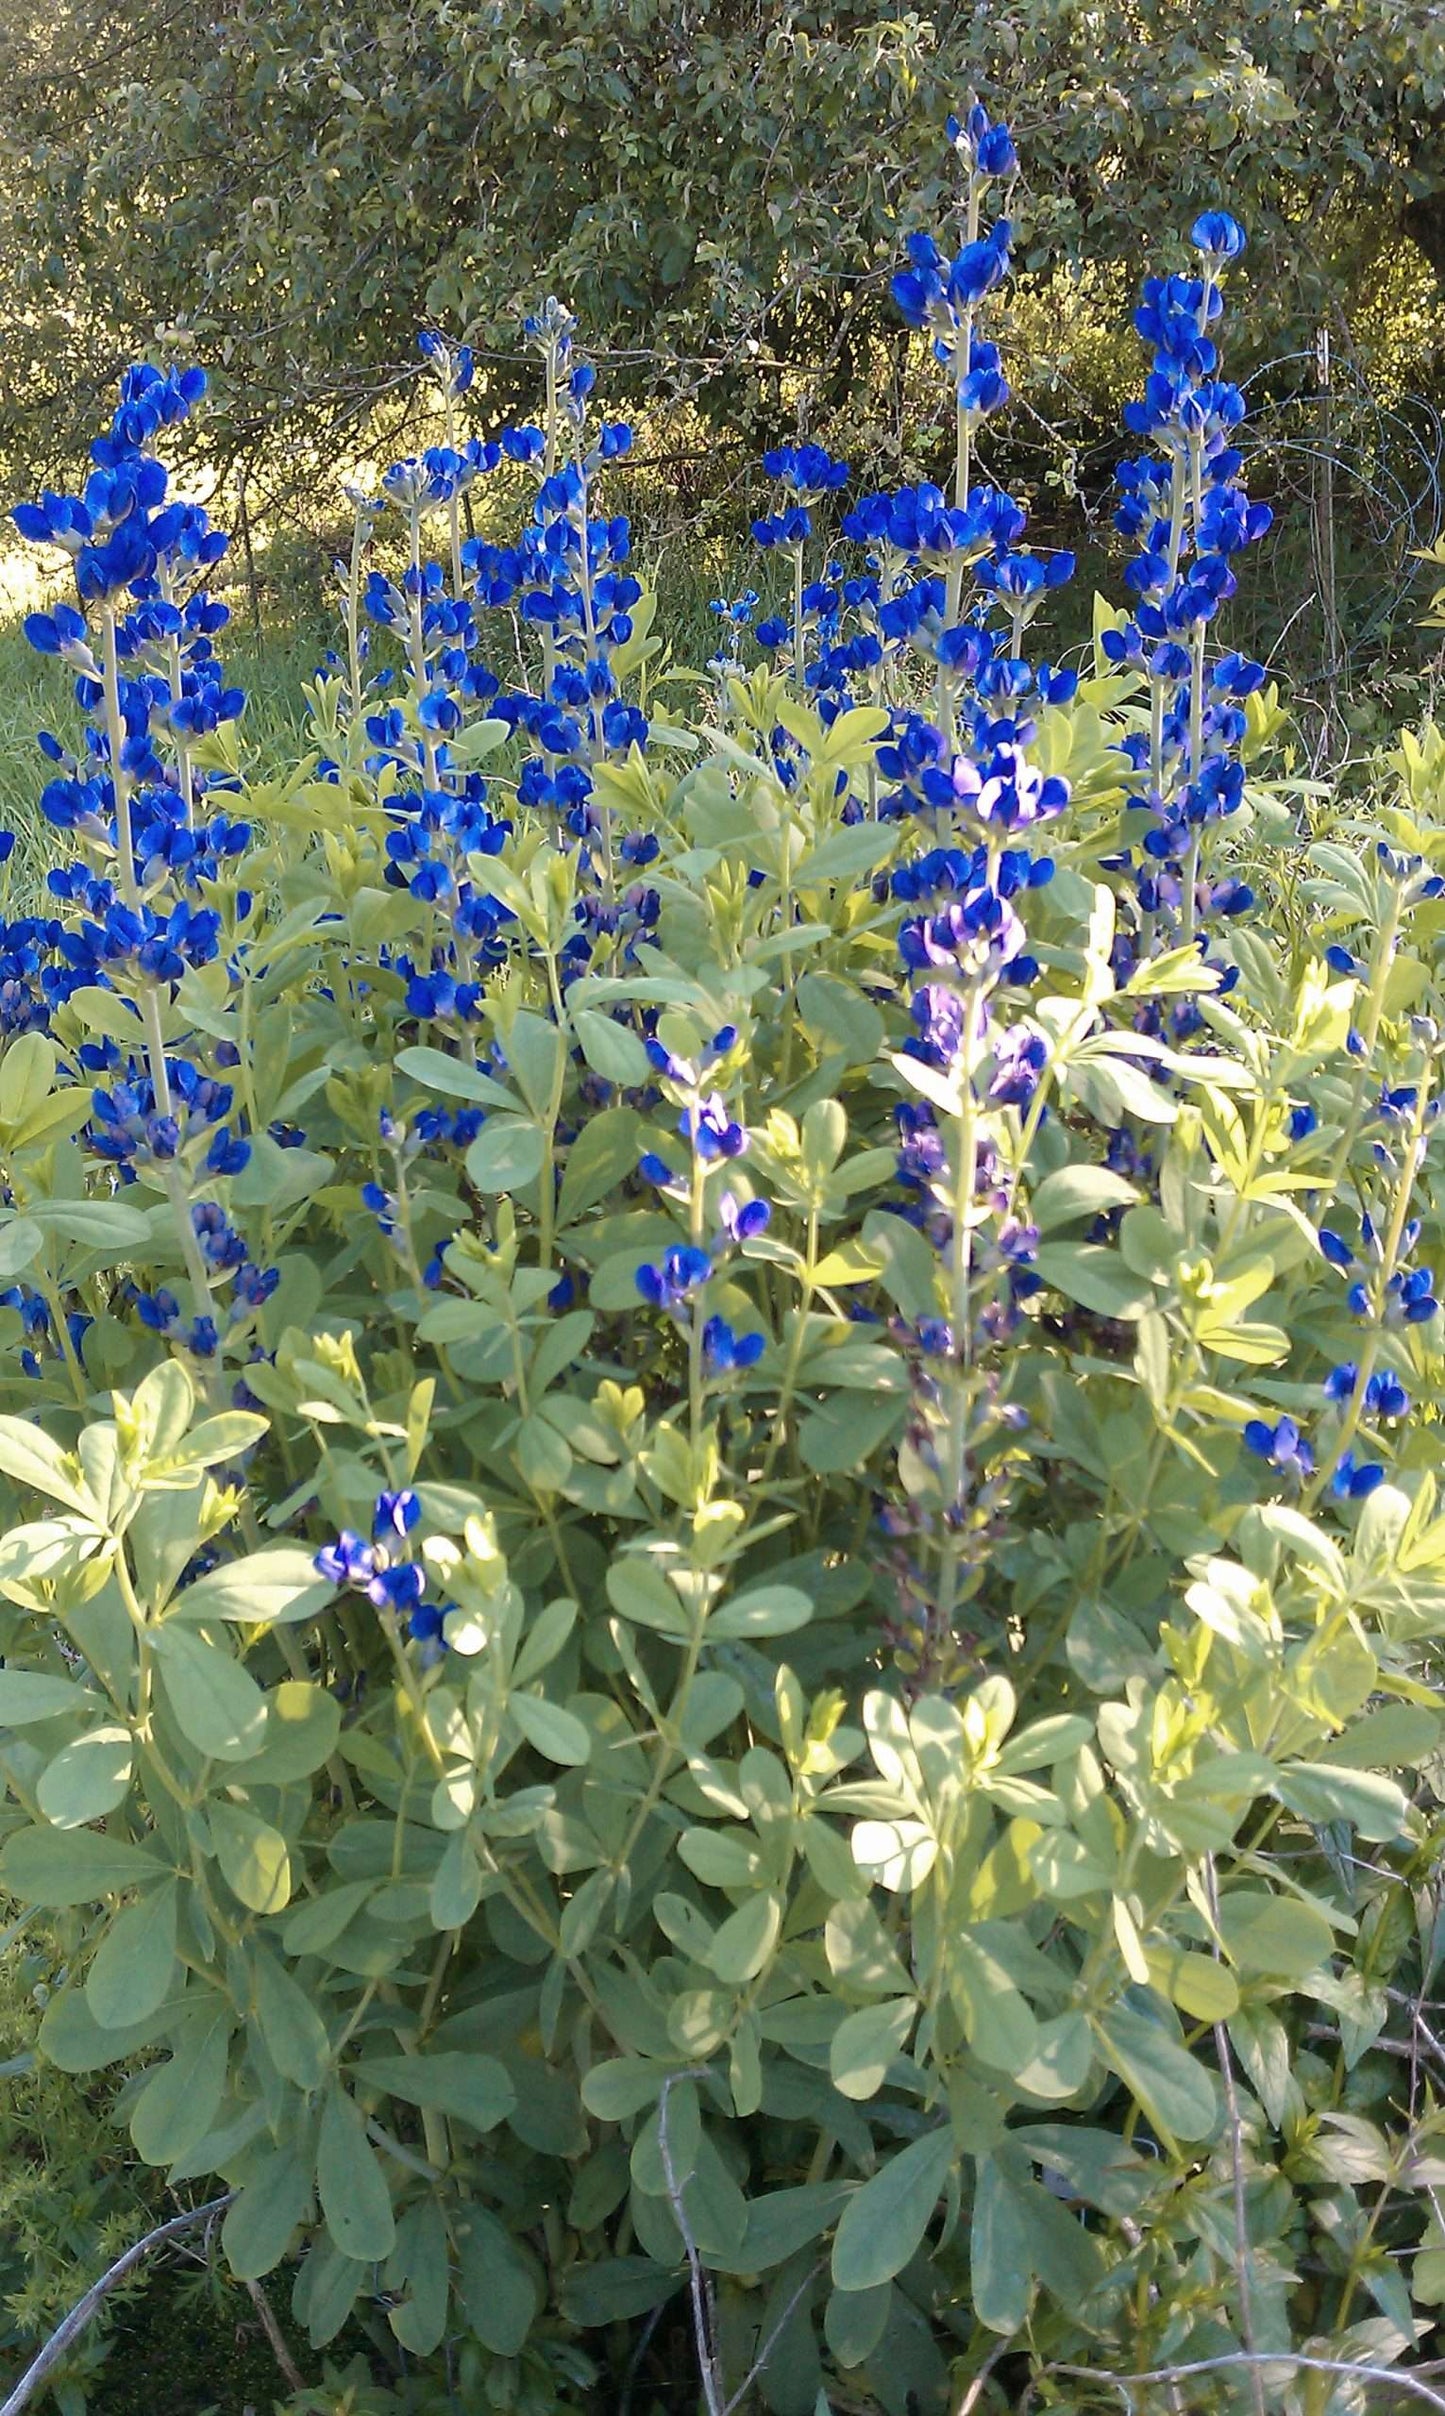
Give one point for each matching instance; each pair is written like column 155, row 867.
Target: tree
column 289, row 187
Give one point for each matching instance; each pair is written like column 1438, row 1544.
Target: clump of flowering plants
column 723, row 1576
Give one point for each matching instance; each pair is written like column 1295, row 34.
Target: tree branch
column 80, row 2314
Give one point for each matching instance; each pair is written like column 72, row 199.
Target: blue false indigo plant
column 723, row 1580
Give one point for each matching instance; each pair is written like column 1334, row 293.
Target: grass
column 36, row 694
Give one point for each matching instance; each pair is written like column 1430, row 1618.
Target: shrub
column 724, row 1395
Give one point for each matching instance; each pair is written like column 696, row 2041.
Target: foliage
column 296, row 186
column 722, row 1394
column 71, row 2197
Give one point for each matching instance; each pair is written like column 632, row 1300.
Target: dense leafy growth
column 723, row 1571
column 299, row 185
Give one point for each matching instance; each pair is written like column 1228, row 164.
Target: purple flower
column 1019, row 1058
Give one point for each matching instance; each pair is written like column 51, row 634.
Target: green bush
column 724, row 1543
column 298, row 187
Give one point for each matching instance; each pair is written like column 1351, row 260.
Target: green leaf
column 849, row 1262
column 997, row 2020
column 180, row 2101
column 257, row 2231
column 767, row 1610
column 217, row 1704
column 421, row 2260
column 252, row 1856
column 1204, row 1989
column 28, row 1455
column 557, row 1734
column 682, row 2116
column 839, row 1013
column 1075, row 1192
column 1175, row 2092
column 744, row 1943
column 999, row 2261
column 535, row 1051
column 326, row 2290
column 1273, row 1937
column 497, row 2286
column 316, row 1923
column 351, row 2184
column 436, row 1071
column 93, row 1224
column 32, row 1694
column 506, row 1155
column 215, row 1440
column 884, row 2222
column 614, row 2289
column 613, row 1050
column 456, row 1889
column 87, row 1778
column 1371, row 1803
column 279, row 1583
column 475, row 2089
column 622, row 2086
column 56, row 1867
column 303, row 1722
column 854, row 2322
column 603, row 1155
column 1095, row 1277
column 638, row 1590
column 1395, row 1737
column 73, row 2040
column 293, row 2030
column 21, row 1242
column 135, row 1963
column 838, row 1437
column 865, row 2043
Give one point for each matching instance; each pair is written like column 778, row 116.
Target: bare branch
column 1238, row 2360
column 72, row 2325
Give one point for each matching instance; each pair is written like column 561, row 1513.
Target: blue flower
column 1283, row 1446
column 711, row 1130
column 1218, row 236
column 726, row 1350
column 1386, row 1397
column 683, row 1269
column 1352, row 1480
column 350, row 1561
column 399, row 1588
column 743, row 1221
column 395, row 1514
